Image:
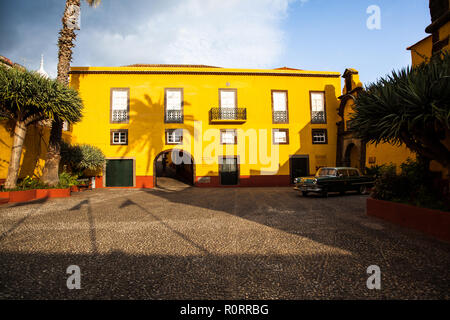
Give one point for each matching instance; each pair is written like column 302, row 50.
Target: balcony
column 173, row 116
column 318, row 117
column 280, row 117
column 119, row 116
column 220, row 115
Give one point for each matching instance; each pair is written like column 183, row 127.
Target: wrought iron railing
column 174, row 116
column 228, row 114
column 318, row 117
column 119, row 116
column 280, row 117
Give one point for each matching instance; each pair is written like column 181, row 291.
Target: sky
column 323, row 35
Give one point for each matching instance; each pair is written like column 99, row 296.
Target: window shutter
column 279, row 101
column 173, row 100
column 228, row 99
column 120, row 100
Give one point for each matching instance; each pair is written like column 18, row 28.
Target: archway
column 352, row 156
column 174, row 165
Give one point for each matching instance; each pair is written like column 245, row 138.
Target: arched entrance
column 174, row 165
column 352, row 156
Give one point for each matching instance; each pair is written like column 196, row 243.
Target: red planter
column 4, row 194
column 74, row 189
column 432, row 222
column 4, row 197
column 22, row 196
column 52, row 193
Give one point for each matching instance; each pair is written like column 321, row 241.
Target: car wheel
column 304, row 193
column 362, row 189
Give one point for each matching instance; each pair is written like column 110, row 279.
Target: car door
column 354, row 179
column 341, row 180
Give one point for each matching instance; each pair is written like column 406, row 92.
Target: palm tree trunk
column 20, row 132
column 65, row 42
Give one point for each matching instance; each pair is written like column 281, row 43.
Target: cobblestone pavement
column 224, row 243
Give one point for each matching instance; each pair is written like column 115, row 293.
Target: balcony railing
column 173, row 116
column 318, row 117
column 280, row 117
column 228, row 114
column 119, row 116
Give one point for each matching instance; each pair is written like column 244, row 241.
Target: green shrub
column 78, row 158
column 29, row 183
column 412, row 186
column 376, row 170
column 67, row 180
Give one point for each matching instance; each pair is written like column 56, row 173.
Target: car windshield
column 324, row 172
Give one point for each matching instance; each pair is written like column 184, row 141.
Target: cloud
column 232, row 33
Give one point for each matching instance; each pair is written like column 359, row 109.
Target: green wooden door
column 229, row 173
column 119, row 173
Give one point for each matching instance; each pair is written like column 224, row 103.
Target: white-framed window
column 228, row 136
column 280, row 106
column 174, row 105
column 120, row 99
column 318, row 107
column 119, row 137
column 319, row 136
column 228, row 98
column 280, row 136
column 174, row 136
column 228, row 104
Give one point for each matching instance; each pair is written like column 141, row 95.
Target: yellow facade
column 421, row 51
column 201, row 137
column 34, row 149
column 353, row 152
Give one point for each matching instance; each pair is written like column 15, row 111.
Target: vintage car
column 334, row 179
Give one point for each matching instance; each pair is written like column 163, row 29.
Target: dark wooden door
column 299, row 167
column 229, row 172
column 119, row 173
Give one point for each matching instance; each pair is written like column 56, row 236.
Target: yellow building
column 210, row 126
column 352, row 151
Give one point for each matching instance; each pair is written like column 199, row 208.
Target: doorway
column 352, row 156
column 173, row 165
column 119, row 173
column 229, row 171
column 299, row 166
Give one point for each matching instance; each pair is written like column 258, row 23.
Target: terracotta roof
column 170, row 66
column 286, row 68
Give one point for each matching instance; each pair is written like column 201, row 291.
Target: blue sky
column 328, row 35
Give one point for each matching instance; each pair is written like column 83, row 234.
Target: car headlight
column 296, row 180
column 315, row 181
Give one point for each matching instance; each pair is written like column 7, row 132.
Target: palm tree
column 410, row 107
column 26, row 98
column 66, row 40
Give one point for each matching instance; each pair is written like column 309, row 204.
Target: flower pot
column 74, row 189
column 22, row 196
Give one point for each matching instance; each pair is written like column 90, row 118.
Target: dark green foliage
column 411, row 107
column 27, row 96
column 411, row 186
column 374, row 171
column 31, row 183
column 67, row 180
column 79, row 158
